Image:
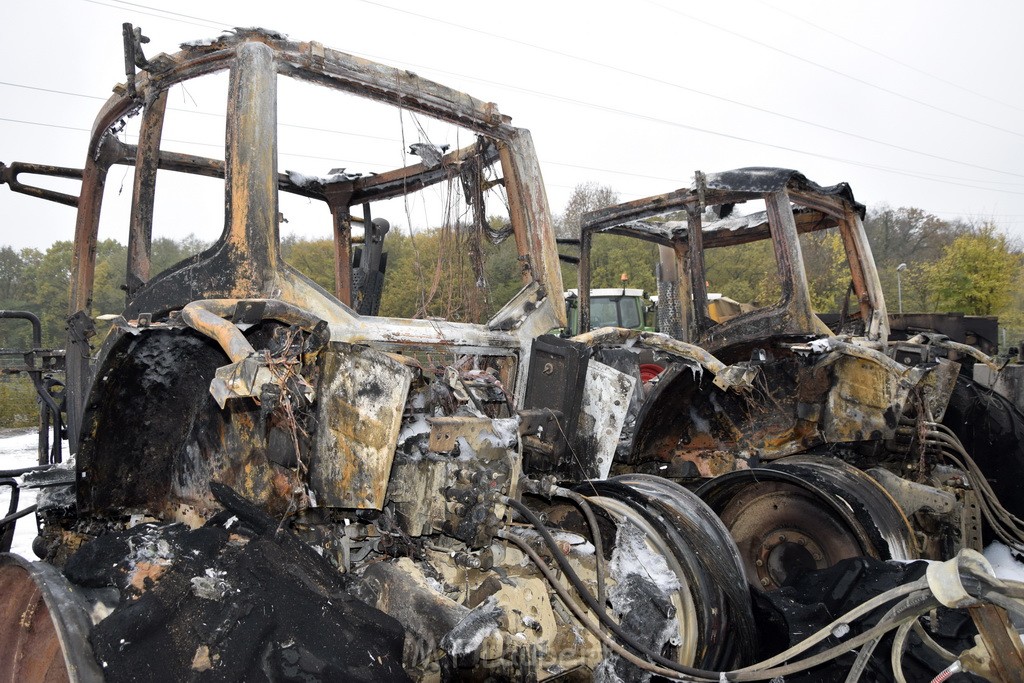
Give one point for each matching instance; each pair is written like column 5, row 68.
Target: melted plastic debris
column 429, row 153
column 469, row 633
column 286, row 613
column 213, row 585
column 61, row 473
column 56, row 497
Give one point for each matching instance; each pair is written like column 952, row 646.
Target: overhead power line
column 919, row 175
column 151, row 14
column 829, row 69
column 876, row 167
column 922, row 175
column 680, row 86
column 883, row 55
column 640, row 75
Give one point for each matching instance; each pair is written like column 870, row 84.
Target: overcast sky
column 912, row 103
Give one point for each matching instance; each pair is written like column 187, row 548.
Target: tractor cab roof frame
column 794, row 205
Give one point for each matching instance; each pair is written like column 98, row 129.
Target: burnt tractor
column 270, row 481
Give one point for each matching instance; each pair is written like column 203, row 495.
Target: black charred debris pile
column 242, row 599
column 236, row 600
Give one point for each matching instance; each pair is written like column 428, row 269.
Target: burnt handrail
column 9, row 175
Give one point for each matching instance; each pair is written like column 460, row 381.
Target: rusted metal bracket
column 1006, row 652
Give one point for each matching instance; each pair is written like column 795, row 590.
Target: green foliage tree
column 166, row 251
column 912, row 236
column 975, row 273
column 828, row 271
column 313, row 258
column 746, row 273
column 111, row 264
column 16, row 268
column 613, row 256
column 430, row 273
column 585, row 197
column 49, row 291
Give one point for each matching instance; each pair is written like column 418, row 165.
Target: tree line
column 455, row 272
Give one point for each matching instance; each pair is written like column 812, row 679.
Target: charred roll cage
column 270, row 482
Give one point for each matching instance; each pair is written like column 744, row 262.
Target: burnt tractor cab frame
column 794, row 205
column 326, row 475
column 271, row 484
column 824, row 425
column 245, row 262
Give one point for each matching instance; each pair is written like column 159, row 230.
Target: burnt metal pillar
column 1001, row 640
column 671, row 288
column 788, row 255
column 147, row 162
column 250, row 177
column 338, row 197
column 83, row 269
column 586, row 242
column 698, row 281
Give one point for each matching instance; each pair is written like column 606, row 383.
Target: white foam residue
column 699, row 422
column 504, row 432
column 823, row 345
column 205, row 42
column 466, row 452
column 1006, row 563
column 577, row 545
column 418, row 425
column 212, row 585
column 469, row 633
column 633, row 556
column 306, row 181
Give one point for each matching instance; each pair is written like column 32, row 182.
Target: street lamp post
column 899, row 284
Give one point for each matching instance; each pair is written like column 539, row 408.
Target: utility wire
column 694, row 128
column 829, row 69
column 890, row 58
column 935, row 177
column 654, row 119
column 680, row 86
column 158, row 16
column 728, row 100
column 222, row 25
column 601, row 170
column 204, row 113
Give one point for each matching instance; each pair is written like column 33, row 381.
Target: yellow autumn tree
column 976, row 273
